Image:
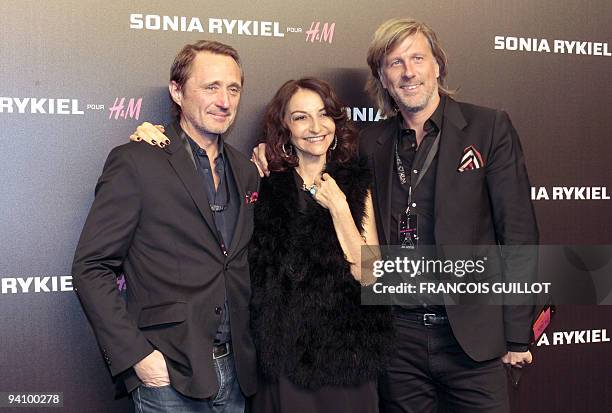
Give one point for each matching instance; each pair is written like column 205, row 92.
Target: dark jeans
column 430, row 365
column 165, row 399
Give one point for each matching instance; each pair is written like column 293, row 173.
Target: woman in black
column 318, row 349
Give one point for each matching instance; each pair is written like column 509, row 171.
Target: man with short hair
column 177, row 222
column 450, row 173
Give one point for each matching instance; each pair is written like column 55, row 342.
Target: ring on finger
column 312, row 189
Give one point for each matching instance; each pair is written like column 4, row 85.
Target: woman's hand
column 151, row 134
column 259, row 159
column 360, row 249
column 329, row 195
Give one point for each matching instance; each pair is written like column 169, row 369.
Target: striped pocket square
column 471, row 159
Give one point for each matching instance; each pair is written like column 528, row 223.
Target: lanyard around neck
column 401, row 173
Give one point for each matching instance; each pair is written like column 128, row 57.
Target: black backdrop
column 93, row 54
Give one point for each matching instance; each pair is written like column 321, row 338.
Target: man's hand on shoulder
column 152, row 370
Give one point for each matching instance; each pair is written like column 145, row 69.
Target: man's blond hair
column 388, row 35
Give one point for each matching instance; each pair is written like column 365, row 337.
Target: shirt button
column 414, row 204
column 415, row 171
column 218, row 310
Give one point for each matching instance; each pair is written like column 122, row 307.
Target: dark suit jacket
column 486, row 206
column 151, row 219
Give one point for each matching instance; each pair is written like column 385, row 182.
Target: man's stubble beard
column 415, row 108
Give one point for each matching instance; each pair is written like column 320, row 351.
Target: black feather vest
column 306, row 316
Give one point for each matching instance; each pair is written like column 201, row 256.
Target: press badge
column 408, row 230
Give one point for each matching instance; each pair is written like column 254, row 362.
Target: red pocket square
column 251, row 197
column 471, row 159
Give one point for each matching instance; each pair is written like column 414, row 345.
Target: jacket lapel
column 181, row 160
column 383, row 175
column 242, row 192
column 448, row 191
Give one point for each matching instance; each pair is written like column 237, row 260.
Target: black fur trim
column 306, row 316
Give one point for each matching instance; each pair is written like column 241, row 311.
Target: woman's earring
column 289, row 152
column 331, row 148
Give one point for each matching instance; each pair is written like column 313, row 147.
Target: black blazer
column 484, row 206
column 151, row 220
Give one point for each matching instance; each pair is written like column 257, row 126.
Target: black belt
column 222, row 350
column 427, row 319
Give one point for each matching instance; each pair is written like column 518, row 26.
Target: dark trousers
column 430, row 366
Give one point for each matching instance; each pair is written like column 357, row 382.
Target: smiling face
column 312, row 129
column 410, row 74
column 210, row 96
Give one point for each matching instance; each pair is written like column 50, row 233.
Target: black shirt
column 423, row 195
column 413, row 158
column 224, row 204
column 305, row 200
